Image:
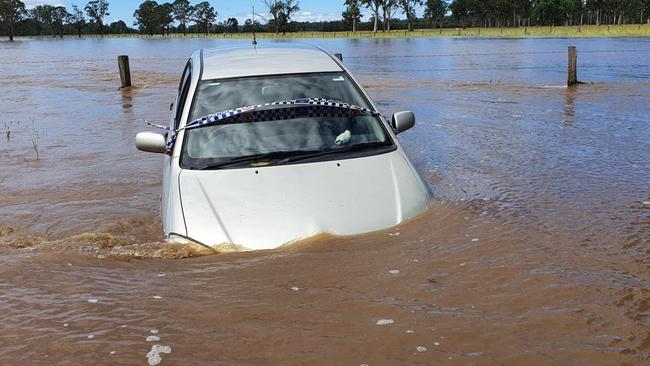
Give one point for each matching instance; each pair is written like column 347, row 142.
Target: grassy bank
column 628, row 30
column 634, row 30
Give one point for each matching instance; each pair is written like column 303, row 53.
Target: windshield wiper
column 272, row 158
column 246, row 159
column 339, row 150
column 283, row 157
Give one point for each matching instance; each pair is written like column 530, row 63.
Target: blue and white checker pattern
column 327, row 105
column 297, row 108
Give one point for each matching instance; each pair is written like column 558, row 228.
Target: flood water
column 536, row 251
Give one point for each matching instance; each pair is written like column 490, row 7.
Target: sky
column 310, row 10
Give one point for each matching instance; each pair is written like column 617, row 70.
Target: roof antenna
column 254, row 37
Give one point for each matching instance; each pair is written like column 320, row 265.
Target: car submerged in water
column 270, row 145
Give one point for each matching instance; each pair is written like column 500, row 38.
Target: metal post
column 125, row 70
column 573, row 66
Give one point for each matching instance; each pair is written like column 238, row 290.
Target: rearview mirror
column 403, row 121
column 151, row 142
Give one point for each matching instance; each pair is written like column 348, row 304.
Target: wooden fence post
column 125, row 70
column 573, row 66
column 339, row 56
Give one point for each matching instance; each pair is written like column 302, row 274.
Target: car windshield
column 283, row 140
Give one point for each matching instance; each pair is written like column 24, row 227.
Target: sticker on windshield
column 339, row 78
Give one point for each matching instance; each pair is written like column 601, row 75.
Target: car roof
column 249, row 60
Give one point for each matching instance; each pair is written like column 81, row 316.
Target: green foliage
column 204, row 15
column 504, row 13
column 152, row 17
column 11, row 11
column 59, row 17
column 251, row 26
column 435, row 11
column 42, row 14
column 374, row 5
column 408, row 7
column 119, row 27
column 232, row 25
column 281, row 11
column 77, row 19
column 180, row 16
column 97, row 10
column 352, row 14
column 182, row 11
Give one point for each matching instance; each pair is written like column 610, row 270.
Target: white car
column 270, row 145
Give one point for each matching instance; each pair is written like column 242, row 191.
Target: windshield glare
column 228, row 141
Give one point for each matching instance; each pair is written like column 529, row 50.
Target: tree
column 251, row 26
column 77, row 19
column 119, row 27
column 204, row 16
column 462, row 10
column 389, row 8
column 521, row 10
column 549, row 11
column 59, row 17
column 374, row 5
column 43, row 14
column 546, row 12
column 232, row 25
column 281, row 11
column 275, row 9
column 164, row 17
column 97, row 10
column 645, row 10
column 152, row 17
column 146, row 17
column 290, row 7
column 352, row 14
column 11, row 11
column 182, row 12
column 435, row 11
column 408, row 7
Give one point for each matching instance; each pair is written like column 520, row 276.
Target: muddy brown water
column 535, row 251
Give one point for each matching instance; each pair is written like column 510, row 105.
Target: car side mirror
column 403, row 121
column 151, row 142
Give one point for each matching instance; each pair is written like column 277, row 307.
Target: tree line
column 152, row 17
column 49, row 19
column 515, row 13
column 499, row 13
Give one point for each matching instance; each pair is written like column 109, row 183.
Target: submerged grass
column 35, row 146
column 626, row 30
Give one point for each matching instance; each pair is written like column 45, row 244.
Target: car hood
column 264, row 208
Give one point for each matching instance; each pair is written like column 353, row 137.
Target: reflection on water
column 569, row 105
column 537, row 252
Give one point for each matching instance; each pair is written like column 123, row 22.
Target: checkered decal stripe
column 320, row 108
column 291, row 109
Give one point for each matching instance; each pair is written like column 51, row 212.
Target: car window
column 183, row 89
column 310, row 134
column 220, row 95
